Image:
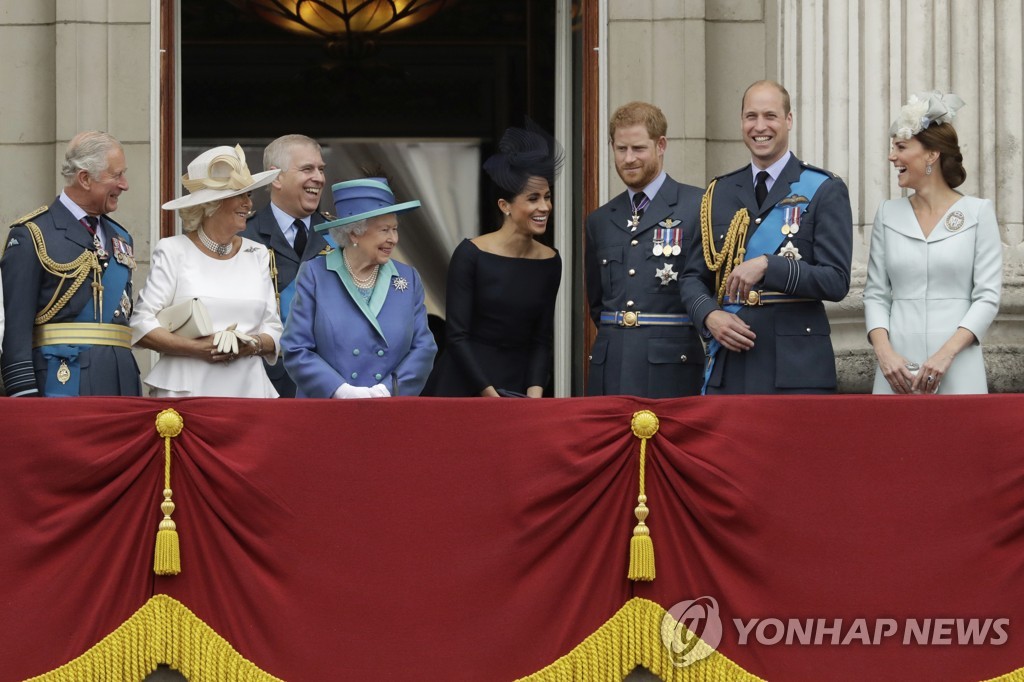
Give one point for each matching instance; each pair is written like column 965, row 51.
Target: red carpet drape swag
column 485, row 539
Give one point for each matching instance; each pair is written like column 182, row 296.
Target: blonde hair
column 192, row 216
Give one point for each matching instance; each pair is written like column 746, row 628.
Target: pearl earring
column 508, row 212
column 928, row 169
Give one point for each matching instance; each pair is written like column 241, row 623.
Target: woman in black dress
column 502, row 285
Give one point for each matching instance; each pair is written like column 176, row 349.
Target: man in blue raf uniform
column 790, row 227
column 635, row 249
column 285, row 224
column 67, row 270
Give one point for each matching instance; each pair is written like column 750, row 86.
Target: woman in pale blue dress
column 935, row 268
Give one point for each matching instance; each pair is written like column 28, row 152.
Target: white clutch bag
column 188, row 318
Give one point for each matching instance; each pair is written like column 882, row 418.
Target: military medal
column 789, row 251
column 400, row 283
column 785, row 222
column 123, row 252
column 659, row 242
column 101, row 253
column 794, row 223
column 638, row 210
column 666, row 274
column 955, row 221
column 63, row 372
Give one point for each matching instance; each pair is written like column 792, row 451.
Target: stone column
column 28, row 177
column 656, row 54
column 850, row 65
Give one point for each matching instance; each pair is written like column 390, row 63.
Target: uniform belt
column 82, row 333
column 755, row 298
column 630, row 318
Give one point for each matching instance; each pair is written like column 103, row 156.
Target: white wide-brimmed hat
column 216, row 174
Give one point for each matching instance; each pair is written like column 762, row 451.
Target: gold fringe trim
column 641, row 546
column 1016, row 676
column 163, row 631
column 630, row 638
column 167, row 555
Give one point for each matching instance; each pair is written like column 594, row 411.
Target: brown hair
column 775, row 84
column 638, row 113
column 941, row 138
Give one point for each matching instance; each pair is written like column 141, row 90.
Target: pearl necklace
column 219, row 249
column 361, row 282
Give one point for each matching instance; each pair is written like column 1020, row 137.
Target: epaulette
column 733, row 172
column 326, row 250
column 252, row 213
column 29, row 216
column 327, row 215
column 828, row 173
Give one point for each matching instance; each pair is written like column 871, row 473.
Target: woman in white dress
column 935, row 268
column 229, row 274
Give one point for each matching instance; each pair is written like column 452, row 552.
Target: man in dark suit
column 634, row 248
column 790, row 226
column 285, row 224
column 67, row 273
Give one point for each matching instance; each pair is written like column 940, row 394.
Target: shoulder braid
column 77, row 270
column 733, row 249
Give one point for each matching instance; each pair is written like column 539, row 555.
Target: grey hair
column 341, row 234
column 278, row 153
column 192, row 216
column 87, row 151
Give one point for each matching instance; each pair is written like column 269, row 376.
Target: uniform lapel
column 661, row 207
column 620, row 211
column 269, row 227
column 744, row 183
column 73, row 230
column 780, row 190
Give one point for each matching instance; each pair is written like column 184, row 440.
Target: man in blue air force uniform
column 67, row 271
column 635, row 245
column 285, row 225
column 777, row 242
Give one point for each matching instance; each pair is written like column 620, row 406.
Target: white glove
column 227, row 340
column 379, row 391
column 349, row 391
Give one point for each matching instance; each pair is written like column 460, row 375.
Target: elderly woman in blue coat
column 358, row 325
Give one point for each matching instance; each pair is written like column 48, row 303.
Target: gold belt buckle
column 629, row 319
column 753, row 298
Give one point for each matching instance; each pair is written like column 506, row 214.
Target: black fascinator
column 522, row 154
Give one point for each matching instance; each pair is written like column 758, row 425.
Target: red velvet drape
column 482, row 539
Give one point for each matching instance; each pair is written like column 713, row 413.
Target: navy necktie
column 300, row 237
column 761, row 188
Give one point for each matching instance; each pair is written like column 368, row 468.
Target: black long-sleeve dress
column 500, row 317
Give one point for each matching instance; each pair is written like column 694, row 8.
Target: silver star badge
column 666, row 274
column 790, row 251
column 400, row 283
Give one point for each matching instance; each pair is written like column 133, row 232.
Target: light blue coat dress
column 921, row 289
column 333, row 336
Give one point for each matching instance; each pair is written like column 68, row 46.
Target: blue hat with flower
column 356, row 200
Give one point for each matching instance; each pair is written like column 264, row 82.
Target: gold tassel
column 167, row 557
column 641, row 546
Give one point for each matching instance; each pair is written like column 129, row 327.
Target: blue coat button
column 355, row 375
column 380, row 354
column 377, row 376
column 355, row 351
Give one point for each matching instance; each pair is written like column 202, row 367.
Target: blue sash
column 286, row 296
column 767, row 240
column 115, row 279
